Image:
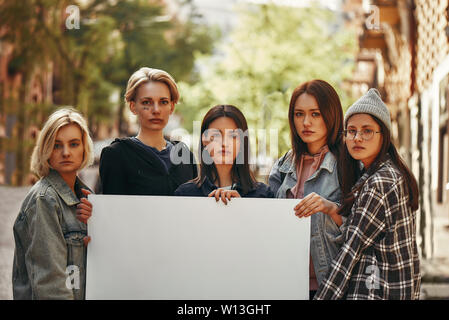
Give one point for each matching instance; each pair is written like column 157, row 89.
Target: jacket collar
column 63, row 190
column 385, row 162
column 151, row 157
column 289, row 165
column 207, row 186
column 141, row 152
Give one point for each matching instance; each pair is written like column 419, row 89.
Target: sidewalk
column 435, row 272
column 10, row 204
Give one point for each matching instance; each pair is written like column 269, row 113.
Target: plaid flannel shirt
column 379, row 259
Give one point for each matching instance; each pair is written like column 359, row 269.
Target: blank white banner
column 152, row 247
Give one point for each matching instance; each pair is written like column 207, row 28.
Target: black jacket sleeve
column 112, row 171
column 180, row 191
column 263, row 191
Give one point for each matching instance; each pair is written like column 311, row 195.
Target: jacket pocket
column 333, row 232
column 76, row 262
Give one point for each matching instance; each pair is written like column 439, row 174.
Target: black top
column 126, row 167
column 163, row 155
column 190, row 189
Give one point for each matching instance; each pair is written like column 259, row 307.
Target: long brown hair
column 241, row 171
column 331, row 111
column 352, row 172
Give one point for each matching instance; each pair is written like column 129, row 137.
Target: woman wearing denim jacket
column 309, row 171
column 50, row 254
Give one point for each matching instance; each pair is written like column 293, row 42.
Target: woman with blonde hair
column 147, row 164
column 50, row 255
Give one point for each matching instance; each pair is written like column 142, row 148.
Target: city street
column 385, row 61
column 435, row 272
column 11, row 199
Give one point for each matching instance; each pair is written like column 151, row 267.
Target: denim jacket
column 49, row 256
column 326, row 237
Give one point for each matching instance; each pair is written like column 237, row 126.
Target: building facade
column 404, row 52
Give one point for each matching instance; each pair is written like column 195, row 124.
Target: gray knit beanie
column 372, row 104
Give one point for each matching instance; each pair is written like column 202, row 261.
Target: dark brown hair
column 241, row 171
column 331, row 111
column 352, row 172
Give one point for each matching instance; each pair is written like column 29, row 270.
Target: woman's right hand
column 314, row 203
column 86, row 240
column 224, row 195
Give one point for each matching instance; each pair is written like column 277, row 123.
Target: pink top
column 307, row 166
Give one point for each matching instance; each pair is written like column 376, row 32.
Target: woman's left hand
column 312, row 204
column 84, row 209
column 225, row 195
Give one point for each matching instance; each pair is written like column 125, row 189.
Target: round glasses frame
column 366, row 136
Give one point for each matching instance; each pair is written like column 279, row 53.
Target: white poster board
column 154, row 247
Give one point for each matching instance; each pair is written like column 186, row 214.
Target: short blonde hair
column 145, row 75
column 46, row 140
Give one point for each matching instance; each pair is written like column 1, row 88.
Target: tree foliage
column 114, row 39
column 90, row 64
column 271, row 51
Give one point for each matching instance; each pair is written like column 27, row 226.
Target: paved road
column 11, row 199
column 435, row 271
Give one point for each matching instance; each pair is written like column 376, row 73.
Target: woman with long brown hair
column 379, row 259
column 224, row 159
column 309, row 170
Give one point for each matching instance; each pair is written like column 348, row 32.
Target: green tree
column 88, row 64
column 150, row 38
column 271, row 51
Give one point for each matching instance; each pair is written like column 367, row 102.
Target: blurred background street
column 12, row 198
column 250, row 53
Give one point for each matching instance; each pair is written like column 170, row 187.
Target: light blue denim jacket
column 49, row 247
column 326, row 236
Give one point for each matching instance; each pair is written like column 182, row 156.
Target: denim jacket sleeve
column 46, row 257
column 339, row 236
column 274, row 179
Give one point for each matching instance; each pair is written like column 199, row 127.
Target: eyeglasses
column 365, row 134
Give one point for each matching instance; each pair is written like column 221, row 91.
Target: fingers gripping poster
column 154, row 247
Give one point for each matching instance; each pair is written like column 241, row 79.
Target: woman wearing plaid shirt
column 379, row 259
